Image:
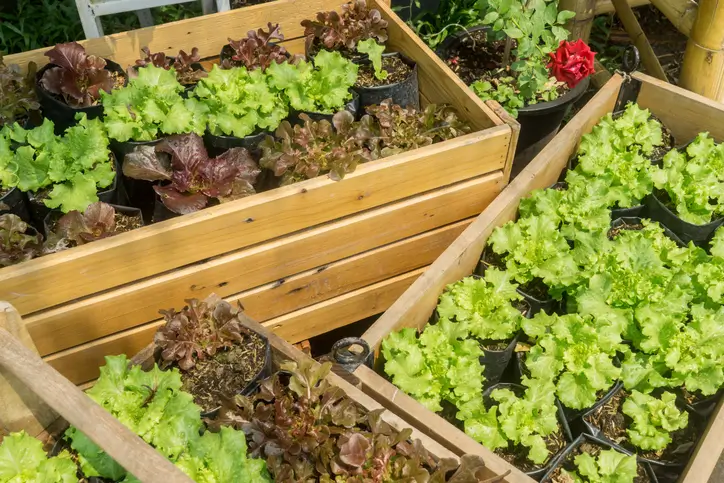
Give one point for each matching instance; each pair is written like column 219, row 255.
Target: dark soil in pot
column 57, row 110
column 126, row 218
column 14, row 201
column 228, row 373
column 593, row 446
column 636, row 223
column 401, row 84
column 661, row 208
column 699, row 404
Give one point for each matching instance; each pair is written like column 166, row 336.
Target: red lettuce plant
column 192, row 176
column 182, row 63
column 342, row 32
column 309, row 430
column 572, row 62
column 76, row 76
column 317, row 147
column 18, row 242
column 199, row 330
column 402, row 129
column 258, row 50
column 17, row 93
column 98, row 221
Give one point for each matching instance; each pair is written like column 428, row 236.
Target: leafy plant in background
column 75, row 165
column 23, row 460
column 374, row 54
column 315, row 148
column 442, row 364
column 483, row 306
column 183, row 64
column 76, row 76
column 333, row 31
column 17, row 92
column 322, row 86
column 653, row 419
column 150, row 106
column 693, row 178
column 17, row 243
column 451, row 16
column 524, row 421
column 405, row 128
column 608, row 466
column 240, row 102
column 193, row 178
column 152, row 405
column 258, row 50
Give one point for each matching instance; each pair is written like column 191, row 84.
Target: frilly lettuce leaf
column 23, row 460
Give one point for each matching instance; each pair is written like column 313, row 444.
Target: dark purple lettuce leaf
column 18, row 241
column 258, row 50
column 98, row 221
column 343, row 32
column 143, row 163
column 79, row 78
column 180, row 202
column 17, row 92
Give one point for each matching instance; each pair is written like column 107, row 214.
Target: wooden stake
column 681, row 13
column 631, row 24
column 703, row 68
column 580, row 25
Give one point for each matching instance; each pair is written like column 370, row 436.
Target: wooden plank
column 98, row 266
column 209, row 33
column 80, row 364
column 440, row 84
column 121, row 444
column 135, row 304
column 682, row 111
column 415, row 306
column 708, row 451
column 515, row 134
column 606, row 6
column 433, row 425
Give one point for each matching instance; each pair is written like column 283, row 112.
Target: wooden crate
column 304, row 258
column 683, row 112
column 31, row 392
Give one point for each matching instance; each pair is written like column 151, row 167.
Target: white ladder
column 90, row 11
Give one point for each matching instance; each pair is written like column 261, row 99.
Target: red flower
column 572, row 62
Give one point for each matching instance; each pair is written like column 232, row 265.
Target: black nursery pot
column 519, row 390
column 218, row 144
column 405, row 93
column 138, row 193
column 63, row 115
column 636, row 220
column 699, row 234
column 562, row 458
column 352, row 106
column 638, row 211
column 17, row 204
column 702, row 407
column 496, row 362
column 54, row 215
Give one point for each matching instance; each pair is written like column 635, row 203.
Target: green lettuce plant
column 608, row 466
column 73, row 167
column 374, row 54
column 23, row 460
column 322, row 86
column 239, row 102
column 653, row 419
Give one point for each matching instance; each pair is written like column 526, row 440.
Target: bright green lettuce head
column 653, row 419
column 609, row 466
column 23, row 460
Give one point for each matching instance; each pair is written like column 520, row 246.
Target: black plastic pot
column 404, row 93
column 635, row 220
column 704, row 406
column 138, row 193
column 160, row 212
column 573, row 416
column 351, row 106
column 15, row 202
column 61, row 113
column 519, row 390
column 218, row 144
column 638, row 211
column 586, row 426
column 53, row 216
column 496, row 362
column 699, row 234
column 561, row 460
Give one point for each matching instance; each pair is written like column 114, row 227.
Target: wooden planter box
column 303, row 259
column 685, row 113
column 34, row 386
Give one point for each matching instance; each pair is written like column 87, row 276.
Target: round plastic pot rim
column 411, row 63
column 231, row 136
column 685, row 224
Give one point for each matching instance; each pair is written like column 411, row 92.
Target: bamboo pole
column 681, row 13
column 631, row 24
column 606, row 6
column 703, row 68
column 580, row 25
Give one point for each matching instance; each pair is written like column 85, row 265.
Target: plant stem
column 506, row 54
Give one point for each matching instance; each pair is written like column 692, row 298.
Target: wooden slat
column 135, row 304
column 682, row 111
column 209, row 33
column 606, row 6
column 98, row 266
column 80, row 364
column 708, row 451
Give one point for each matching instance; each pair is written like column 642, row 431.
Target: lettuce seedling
column 374, row 54
column 182, row 64
column 240, row 102
column 259, row 49
column 653, row 419
column 76, row 76
column 98, row 221
column 608, row 466
column 322, row 87
column 17, row 244
column 150, row 106
column 343, row 32
column 17, row 92
column 193, row 177
column 316, row 148
column 23, row 460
